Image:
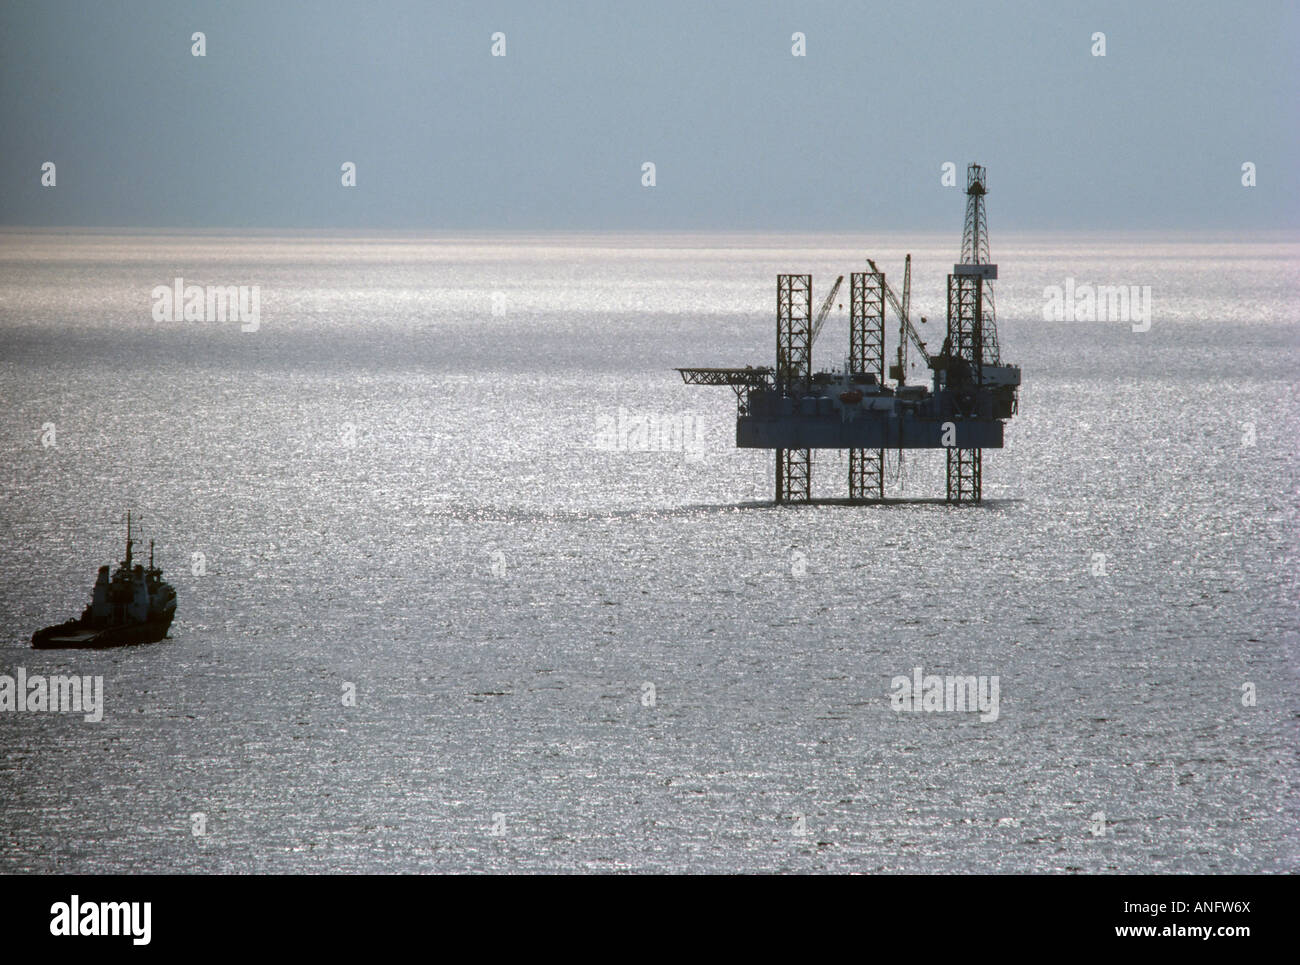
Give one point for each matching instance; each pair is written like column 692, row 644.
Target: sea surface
column 578, row 647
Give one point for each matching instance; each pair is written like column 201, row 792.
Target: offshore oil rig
column 794, row 410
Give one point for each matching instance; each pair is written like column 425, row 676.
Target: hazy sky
column 742, row 133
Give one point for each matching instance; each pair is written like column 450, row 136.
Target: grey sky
column 553, row 135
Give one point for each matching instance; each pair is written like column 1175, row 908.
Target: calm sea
column 577, row 648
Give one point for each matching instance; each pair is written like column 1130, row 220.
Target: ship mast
column 129, row 541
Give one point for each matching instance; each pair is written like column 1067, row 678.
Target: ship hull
column 76, row 635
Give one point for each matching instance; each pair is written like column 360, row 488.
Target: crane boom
column 825, row 309
column 907, row 286
column 902, row 312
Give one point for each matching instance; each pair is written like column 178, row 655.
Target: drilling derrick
column 975, row 251
column 972, row 335
column 794, row 410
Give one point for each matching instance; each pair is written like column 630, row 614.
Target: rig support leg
column 867, row 475
column 793, row 475
column 965, row 470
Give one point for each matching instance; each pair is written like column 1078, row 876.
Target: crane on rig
column 902, row 308
column 825, row 309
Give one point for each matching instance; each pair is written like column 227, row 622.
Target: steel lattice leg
column 793, row 475
column 867, row 474
column 965, row 469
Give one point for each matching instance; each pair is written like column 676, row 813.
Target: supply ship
column 133, row 605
